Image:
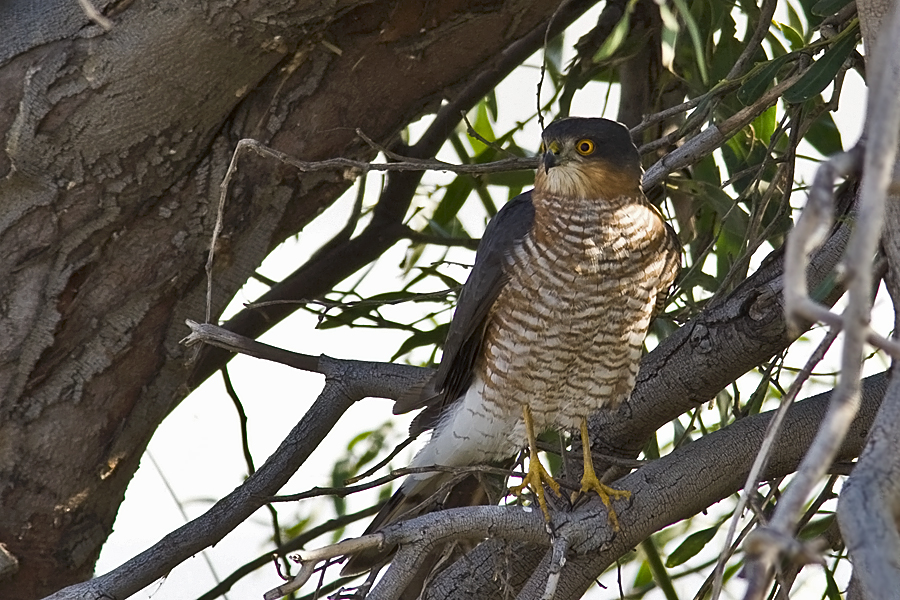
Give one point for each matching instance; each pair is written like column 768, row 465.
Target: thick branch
column 870, row 499
column 665, row 491
column 327, row 269
column 687, row 369
column 349, row 381
column 883, row 120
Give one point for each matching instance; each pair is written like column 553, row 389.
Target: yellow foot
column 535, row 479
column 590, row 482
column 537, row 475
column 607, row 495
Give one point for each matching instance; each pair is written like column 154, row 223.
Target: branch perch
column 882, row 121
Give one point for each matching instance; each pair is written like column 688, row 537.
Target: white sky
column 198, row 447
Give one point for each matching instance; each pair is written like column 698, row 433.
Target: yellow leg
column 537, row 475
column 590, row 482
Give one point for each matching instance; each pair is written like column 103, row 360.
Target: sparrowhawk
column 550, row 324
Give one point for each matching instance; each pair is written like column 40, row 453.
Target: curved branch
column 665, row 491
column 687, row 369
column 348, row 381
column 327, row 269
column 870, row 499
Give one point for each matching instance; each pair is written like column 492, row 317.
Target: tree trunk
column 115, row 145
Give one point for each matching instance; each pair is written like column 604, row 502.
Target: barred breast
column 566, row 332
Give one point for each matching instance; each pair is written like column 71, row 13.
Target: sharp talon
column 607, row 495
column 590, row 482
column 537, row 475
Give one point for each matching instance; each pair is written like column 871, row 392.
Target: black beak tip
column 548, row 160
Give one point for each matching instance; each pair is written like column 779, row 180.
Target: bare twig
column 395, row 474
column 222, row 338
column 424, row 297
column 809, row 232
column 352, row 167
column 557, row 562
column 762, row 457
column 308, row 560
column 95, row 15
column 540, row 83
column 470, row 130
column 751, row 47
column 393, row 453
column 291, row 545
column 883, row 117
column 715, row 135
column 379, row 148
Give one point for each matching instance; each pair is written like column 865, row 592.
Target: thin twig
column 557, row 562
column 810, row 231
column 379, row 148
column 248, row 458
column 765, row 451
column 228, row 340
column 540, row 83
column 769, row 545
column 95, row 15
column 351, row 166
column 309, row 559
column 423, row 297
column 766, row 12
column 470, row 130
column 394, row 474
column 397, row 449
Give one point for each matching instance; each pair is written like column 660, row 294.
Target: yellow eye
column 585, row 147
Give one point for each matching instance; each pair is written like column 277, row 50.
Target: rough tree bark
column 115, row 143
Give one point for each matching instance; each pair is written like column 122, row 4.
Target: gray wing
column 465, row 338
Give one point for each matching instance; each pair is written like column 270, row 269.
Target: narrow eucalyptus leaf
column 822, row 72
column 692, row 545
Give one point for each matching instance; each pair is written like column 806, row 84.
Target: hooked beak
column 550, row 158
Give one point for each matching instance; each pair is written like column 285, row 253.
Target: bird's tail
column 422, row 496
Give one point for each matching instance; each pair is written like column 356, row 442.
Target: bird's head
column 588, row 158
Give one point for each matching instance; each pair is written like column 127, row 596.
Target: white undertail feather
column 469, row 433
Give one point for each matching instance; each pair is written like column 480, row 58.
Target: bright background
column 195, row 457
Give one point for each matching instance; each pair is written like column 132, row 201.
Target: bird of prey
column 550, row 324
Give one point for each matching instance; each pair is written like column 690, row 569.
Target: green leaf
column 691, row 546
column 795, row 21
column 764, row 125
column 422, row 338
column 696, row 40
column 823, row 71
column 696, row 277
column 756, row 85
column 825, row 136
column 491, row 102
column 643, row 577
column 616, row 37
column 651, row 449
column 482, row 125
column 794, row 37
column 733, row 217
column 816, row 528
column 832, row 592
column 518, row 179
column 454, row 197
column 825, row 8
